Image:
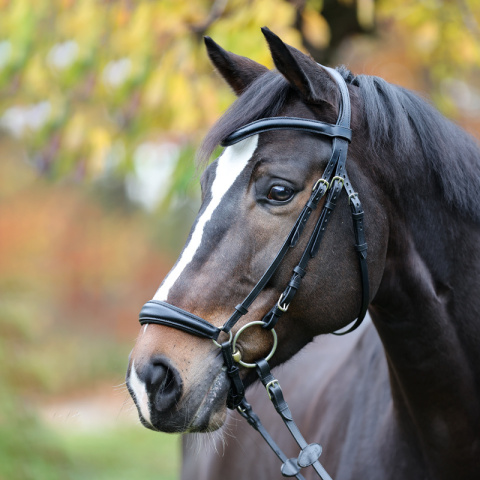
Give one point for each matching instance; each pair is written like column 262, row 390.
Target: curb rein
column 333, row 180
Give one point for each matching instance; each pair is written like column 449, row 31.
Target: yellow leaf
column 315, row 28
column 427, row 37
column 366, row 13
column 100, row 143
column 74, row 133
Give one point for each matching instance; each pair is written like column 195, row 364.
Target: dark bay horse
column 398, row 398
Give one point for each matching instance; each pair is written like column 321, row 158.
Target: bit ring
column 272, row 351
column 229, row 339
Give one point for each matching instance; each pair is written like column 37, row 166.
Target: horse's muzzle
column 164, row 404
column 156, row 387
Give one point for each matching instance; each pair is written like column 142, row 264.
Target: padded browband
column 163, row 313
column 287, row 123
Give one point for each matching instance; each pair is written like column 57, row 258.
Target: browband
column 288, row 123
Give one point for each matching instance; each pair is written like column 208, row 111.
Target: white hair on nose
column 230, row 165
column 140, row 392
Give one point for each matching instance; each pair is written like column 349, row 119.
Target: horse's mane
column 394, row 116
column 398, row 116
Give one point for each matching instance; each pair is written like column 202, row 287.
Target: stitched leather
column 289, row 242
column 162, row 313
column 287, row 123
column 309, row 454
column 237, row 391
column 290, row 467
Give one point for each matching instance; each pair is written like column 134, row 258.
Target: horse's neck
column 427, row 312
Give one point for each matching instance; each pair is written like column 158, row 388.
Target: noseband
column 331, row 183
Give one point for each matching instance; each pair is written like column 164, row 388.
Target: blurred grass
column 122, row 453
column 33, row 370
column 29, row 450
column 40, row 362
column 73, row 275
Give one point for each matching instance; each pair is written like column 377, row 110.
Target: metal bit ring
column 272, row 351
column 229, row 339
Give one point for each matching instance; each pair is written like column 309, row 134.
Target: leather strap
column 236, row 393
column 309, row 453
column 290, row 467
column 288, row 123
column 361, row 249
column 290, row 241
column 162, row 313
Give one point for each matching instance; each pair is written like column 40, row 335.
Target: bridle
column 331, row 183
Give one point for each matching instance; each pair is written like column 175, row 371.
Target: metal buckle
column 269, row 384
column 283, row 307
column 318, row 182
column 340, row 179
column 354, row 194
column 272, row 351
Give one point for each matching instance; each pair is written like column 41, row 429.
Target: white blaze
column 140, row 393
column 230, row 165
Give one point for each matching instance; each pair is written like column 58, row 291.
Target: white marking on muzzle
column 140, row 392
column 230, row 165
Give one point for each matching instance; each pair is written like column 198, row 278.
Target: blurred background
column 102, row 104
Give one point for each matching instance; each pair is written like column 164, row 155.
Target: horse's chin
column 208, row 421
column 212, row 411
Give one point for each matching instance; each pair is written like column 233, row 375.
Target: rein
column 333, row 180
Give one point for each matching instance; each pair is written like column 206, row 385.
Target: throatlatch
column 332, row 182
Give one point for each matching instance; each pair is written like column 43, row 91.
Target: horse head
column 252, row 196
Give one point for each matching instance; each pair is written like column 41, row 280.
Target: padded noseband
column 163, row 313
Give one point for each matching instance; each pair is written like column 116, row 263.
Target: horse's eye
column 280, row 193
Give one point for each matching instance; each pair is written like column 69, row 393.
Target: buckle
column 340, row 179
column 283, row 307
column 352, row 196
column 270, row 384
column 318, row 182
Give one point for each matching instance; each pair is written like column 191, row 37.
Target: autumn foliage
column 102, row 104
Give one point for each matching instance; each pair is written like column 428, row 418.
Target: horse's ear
column 239, row 72
column 309, row 78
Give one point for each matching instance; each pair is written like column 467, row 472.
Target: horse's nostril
column 158, row 376
column 163, row 383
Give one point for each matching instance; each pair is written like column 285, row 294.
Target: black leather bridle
column 333, row 180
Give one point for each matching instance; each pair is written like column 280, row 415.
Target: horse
column 399, row 397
